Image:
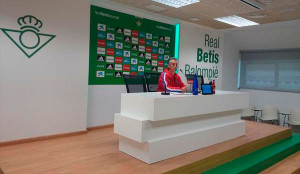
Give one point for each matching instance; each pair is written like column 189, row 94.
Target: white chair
column 294, row 118
column 248, row 113
column 269, row 113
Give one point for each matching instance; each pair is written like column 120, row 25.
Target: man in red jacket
column 170, row 79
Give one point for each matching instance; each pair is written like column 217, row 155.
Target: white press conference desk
column 154, row 127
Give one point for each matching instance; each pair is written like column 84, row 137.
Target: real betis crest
column 28, row 39
column 138, row 23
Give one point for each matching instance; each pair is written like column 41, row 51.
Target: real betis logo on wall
column 28, row 39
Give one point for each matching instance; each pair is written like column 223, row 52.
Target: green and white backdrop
column 126, row 44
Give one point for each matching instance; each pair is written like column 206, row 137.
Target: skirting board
column 151, row 152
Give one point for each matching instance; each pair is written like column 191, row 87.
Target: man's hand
column 184, row 89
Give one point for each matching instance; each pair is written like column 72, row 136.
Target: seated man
column 170, row 79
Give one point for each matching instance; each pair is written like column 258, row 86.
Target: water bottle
column 195, row 85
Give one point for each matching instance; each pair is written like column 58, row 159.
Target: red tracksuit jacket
column 173, row 83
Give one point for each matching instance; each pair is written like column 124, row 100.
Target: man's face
column 172, row 65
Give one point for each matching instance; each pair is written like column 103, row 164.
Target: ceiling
column 207, row 10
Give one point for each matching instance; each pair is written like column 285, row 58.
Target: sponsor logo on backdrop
column 135, row 33
column 110, row 59
column 109, row 74
column 161, row 57
column 101, row 66
column 100, row 74
column 110, row 44
column 110, row 29
column 135, row 40
column 126, row 53
column 110, row 51
column 101, row 27
column 142, row 62
column 148, row 36
column 154, row 56
column 148, row 62
column 127, row 39
column 109, row 66
column 167, row 45
column 141, row 55
column 118, row 74
column 148, row 42
column 118, row 60
column 101, row 35
column 134, row 47
column 161, row 51
column 148, row 55
column 134, row 54
column 118, row 67
column 141, row 68
column 133, row 61
column 101, row 43
column 110, row 36
column 166, row 57
column 142, row 41
column 161, row 38
column 142, row 34
column 119, row 45
column 155, row 50
column 119, row 52
column 167, row 39
column 127, row 32
column 155, row 43
column 160, row 63
column 100, row 50
column 126, row 60
column 119, row 38
column 154, row 69
column 28, row 39
column 126, row 67
column 133, row 67
column 101, row 58
column 154, row 62
column 148, row 49
column 127, row 73
column 160, row 69
column 119, row 30
column 141, row 48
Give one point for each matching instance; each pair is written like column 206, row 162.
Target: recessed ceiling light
column 236, row 21
column 194, row 19
column 286, row 10
column 155, row 8
column 257, row 16
column 176, row 3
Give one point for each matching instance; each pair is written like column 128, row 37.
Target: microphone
column 181, row 71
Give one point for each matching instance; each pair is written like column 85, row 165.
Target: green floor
column 261, row 159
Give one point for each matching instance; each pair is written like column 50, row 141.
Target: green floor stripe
column 261, row 159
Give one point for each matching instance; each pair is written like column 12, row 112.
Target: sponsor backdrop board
column 127, row 44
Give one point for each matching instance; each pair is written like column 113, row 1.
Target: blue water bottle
column 195, row 85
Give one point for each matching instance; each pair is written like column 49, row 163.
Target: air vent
column 255, row 4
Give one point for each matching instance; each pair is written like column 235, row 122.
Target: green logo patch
column 28, row 39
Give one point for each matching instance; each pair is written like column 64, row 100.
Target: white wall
column 46, row 94
column 269, row 36
column 192, row 37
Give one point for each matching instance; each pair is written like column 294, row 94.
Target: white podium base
column 160, row 149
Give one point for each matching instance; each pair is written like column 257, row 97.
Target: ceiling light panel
column 176, row 3
column 236, row 21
